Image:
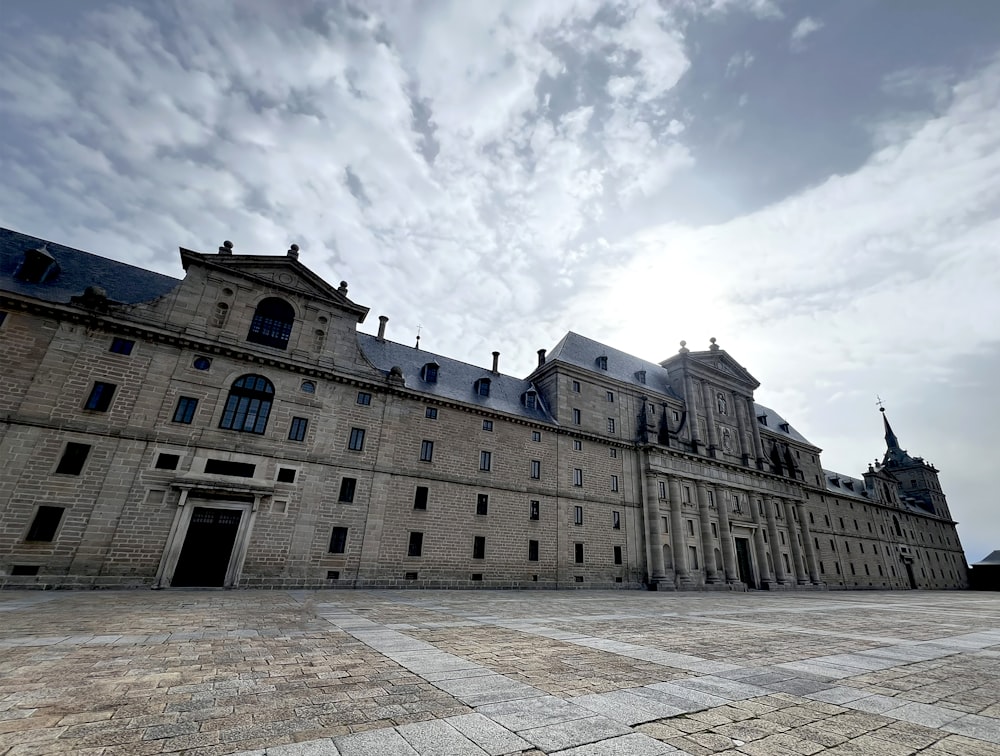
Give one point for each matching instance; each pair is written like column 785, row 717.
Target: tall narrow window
column 578, row 553
column 297, row 430
column 611, row 396
column 536, row 469
column 482, row 387
column 576, row 417
column 576, row 387
column 426, row 451
column 578, row 515
column 532, row 551
column 184, row 413
column 534, row 509
column 338, row 540
column 420, row 498
column 73, row 458
column 618, row 554
column 611, row 425
column 616, row 520
column 248, row 405
column 602, row 363
column 45, row 524
column 100, row 397
column 482, row 504
column 578, row 477
column 485, row 460
column 614, row 482
column 429, row 372
column 357, row 439
column 663, row 489
column 348, row 486
column 416, row 545
column 272, row 323
column 479, row 547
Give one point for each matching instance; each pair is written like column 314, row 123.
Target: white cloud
column 803, row 29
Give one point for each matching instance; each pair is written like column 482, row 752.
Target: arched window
column 248, row 405
column 272, row 323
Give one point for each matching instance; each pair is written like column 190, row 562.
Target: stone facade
column 235, row 429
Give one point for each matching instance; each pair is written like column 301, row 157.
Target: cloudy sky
column 815, row 184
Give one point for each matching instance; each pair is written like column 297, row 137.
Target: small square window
column 364, row 398
column 482, row 387
column 297, row 430
column 614, row 482
column 338, row 540
column 576, row 387
column 533, row 510
column 426, row 451
column 431, row 413
column 618, row 554
column 73, row 458
column 348, row 487
column 578, row 555
column 488, row 425
column 482, row 504
column 577, row 445
column 45, row 524
column 616, row 520
column 100, row 397
column 357, row 440
column 578, row 515
column 184, row 413
column 532, row 551
column 420, row 497
column 414, row 549
column 286, row 474
column 121, row 346
column 578, row 477
column 167, row 461
column 536, row 469
column 536, row 436
column 479, row 547
column 485, row 461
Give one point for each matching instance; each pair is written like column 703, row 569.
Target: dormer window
column 762, row 419
column 602, row 362
column 429, row 372
column 530, row 399
column 640, row 375
column 272, row 323
column 37, row 266
column 482, row 387
column 784, row 427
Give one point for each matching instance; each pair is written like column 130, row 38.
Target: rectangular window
column 364, row 398
column 693, row 552
column 578, row 553
column 357, row 440
column 426, row 451
column 576, row 417
column 338, row 540
column 485, row 460
column 479, row 547
column 715, row 532
column 578, row 477
column 45, row 524
column 614, row 482
column 666, row 524
column 611, row 396
column 577, row 445
column 431, row 413
column 488, row 425
column 167, row 461
column 184, row 413
column 482, row 504
column 286, row 474
column 297, row 430
column 121, row 346
column 3, row 317
column 578, row 515
column 536, row 469
column 614, row 454
column 780, row 533
column 616, row 520
column 576, row 386
column 416, row 545
column 225, row 467
column 532, row 551
column 663, row 489
column 690, row 527
column 611, row 425
column 533, row 510
column 74, row 455
column 348, row 486
column 687, row 495
column 420, row 498
column 100, row 397
column 618, row 554
column 536, row 436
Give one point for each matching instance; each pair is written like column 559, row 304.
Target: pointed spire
column 891, row 442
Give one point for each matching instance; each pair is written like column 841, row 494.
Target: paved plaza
column 304, row 673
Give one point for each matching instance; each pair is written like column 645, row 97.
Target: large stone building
column 235, row 429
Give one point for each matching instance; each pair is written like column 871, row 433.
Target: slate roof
column 456, row 380
column 993, row 560
column 842, row 490
column 123, row 283
column 574, row 349
column 775, row 421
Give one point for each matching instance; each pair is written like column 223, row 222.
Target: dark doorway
column 909, row 574
column 208, row 547
column 743, row 563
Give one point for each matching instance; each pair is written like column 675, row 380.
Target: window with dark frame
column 186, row 406
column 485, row 461
column 248, row 405
column 482, row 387
column 616, row 520
column 167, row 461
column 614, row 482
column 416, row 544
column 578, row 476
column 611, row 425
column 73, row 458
column 482, row 504
column 121, row 346
column 426, row 451
column 286, row 474
column 479, row 547
column 100, row 397
column 536, row 436
column 364, row 398
column 534, row 509
column 357, row 439
column 431, row 413
column 488, row 425
column 578, row 515
column 532, row 551
column 201, row 363
column 536, row 469
column 420, row 497
column 348, row 487
column 297, row 430
column 272, row 323
column 578, row 553
column 618, row 554
column 45, row 524
column 338, row 540
column 576, row 417
column 430, row 372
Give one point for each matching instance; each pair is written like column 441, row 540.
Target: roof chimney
column 226, row 248
column 541, row 357
column 496, row 362
column 382, row 320
column 293, row 252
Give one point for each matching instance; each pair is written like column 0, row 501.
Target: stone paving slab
column 321, row 673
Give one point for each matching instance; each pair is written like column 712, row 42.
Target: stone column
column 726, row 534
column 653, row 532
column 760, row 547
column 808, row 542
column 746, row 447
column 772, row 536
column 677, row 543
column 692, row 409
column 793, row 536
column 755, row 431
column 708, row 551
column 713, row 433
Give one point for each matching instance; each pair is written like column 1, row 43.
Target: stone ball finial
column 713, row 346
column 683, row 349
column 226, row 248
column 711, row 340
column 293, row 252
column 343, row 287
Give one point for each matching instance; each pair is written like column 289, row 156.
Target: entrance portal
column 208, row 547
column 743, row 563
column 911, row 576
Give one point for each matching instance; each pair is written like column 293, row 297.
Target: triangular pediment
column 285, row 273
column 720, row 362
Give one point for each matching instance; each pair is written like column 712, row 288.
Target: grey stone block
column 626, row 707
column 322, row 747
column 976, row 726
column 385, row 742
column 636, row 744
column 562, row 735
column 487, row 689
column 874, row 704
column 487, row 734
column 925, row 714
column 534, row 712
column 437, row 737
